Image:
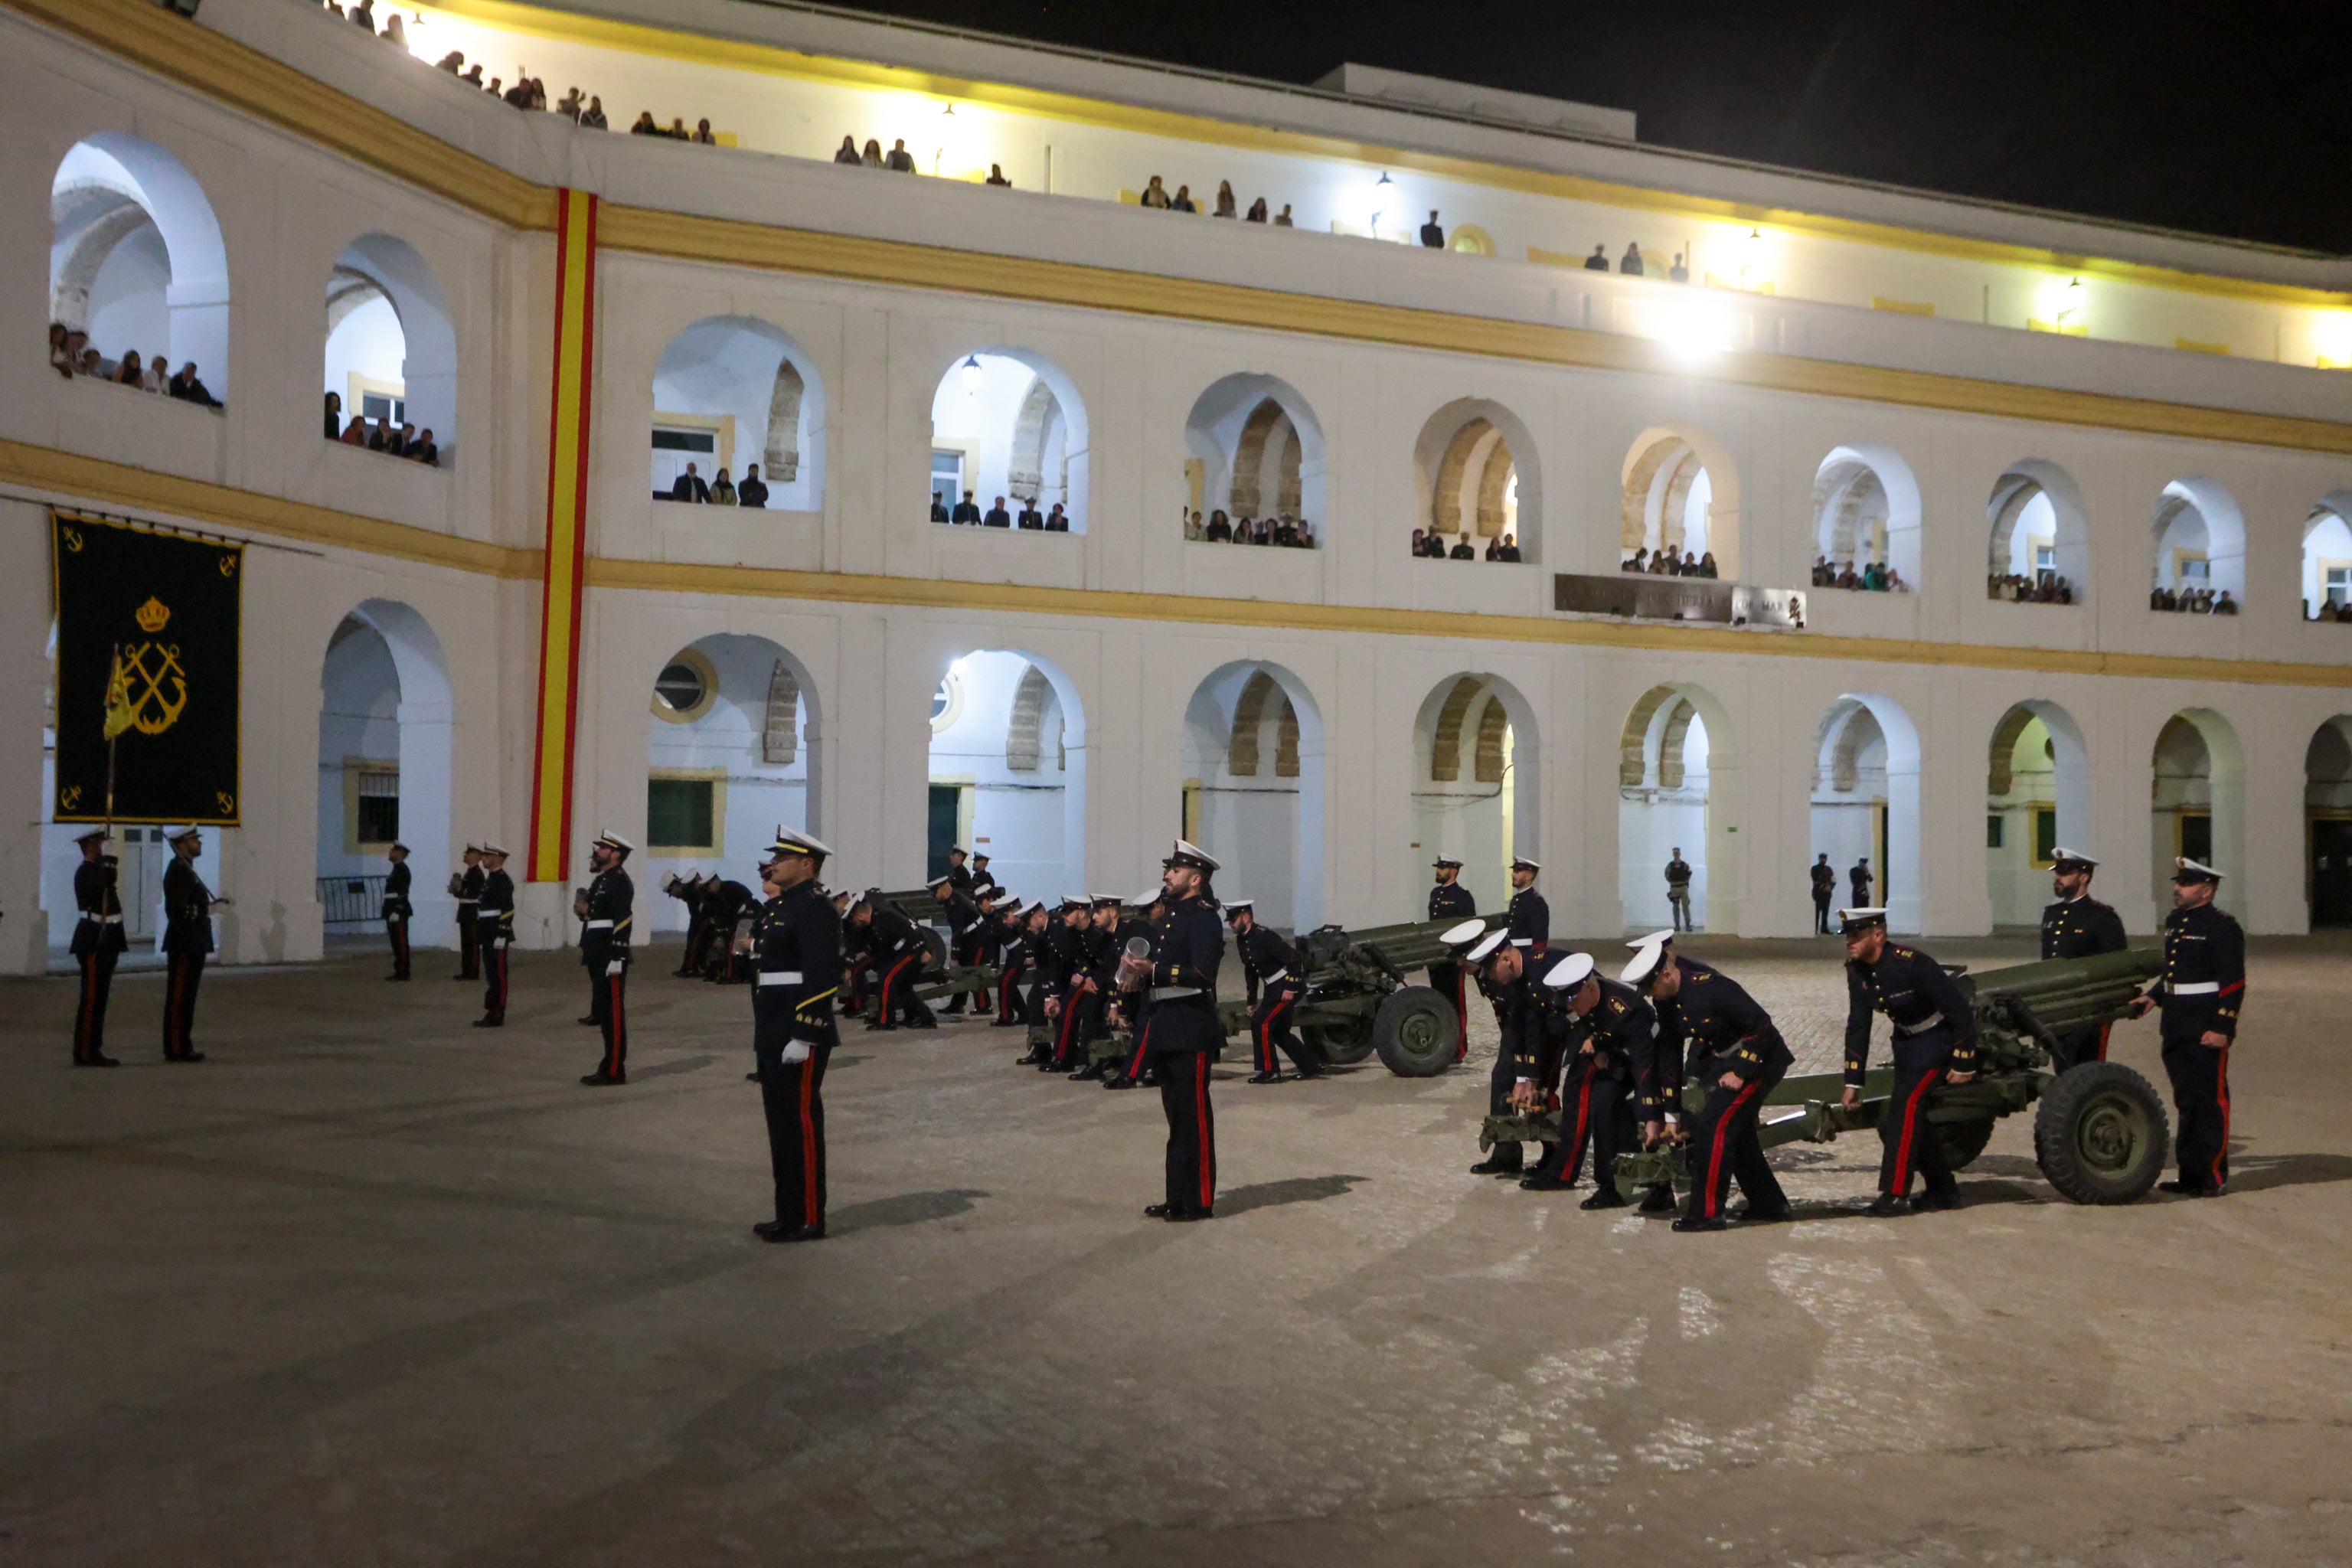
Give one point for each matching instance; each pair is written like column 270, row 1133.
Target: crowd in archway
column 1667, row 562
column 2043, row 588
column 1875, row 576
column 1284, row 531
column 2192, row 601
column 402, row 441
column 72, row 354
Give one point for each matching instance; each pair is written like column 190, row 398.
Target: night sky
column 2224, row 119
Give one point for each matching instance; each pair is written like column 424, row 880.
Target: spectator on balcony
column 355, row 433
column 847, row 151
column 1707, row 567
column 1193, row 528
column 900, row 161
column 188, row 389
column 384, row 437
column 473, row 75
column 996, row 516
column 752, row 491
column 1226, row 207
column 1256, row 212
column 703, row 134
column 95, row 366
column 1637, row 562
column 1220, row 530
column 645, row 125
column 939, row 508
column 1510, row 548
column 1495, row 548
column 722, row 490
column 690, row 487
column 1632, row 264
column 423, row 449
column 127, row 373
column 1430, row 235
column 519, row 95
column 1155, row 194
column 967, row 511
column 363, row 13
column 334, row 416
column 1282, row 218
column 1418, row 550
column 494, row 89
column 1599, row 261
column 1462, row 551
column 401, row 440
column 1055, row 522
column 2223, row 605
column 996, row 177
column 570, row 105
column 1678, row 273
column 394, row 31
column 677, row 131
column 872, row 156
column 454, row 62
column 1029, row 517
column 593, row 117
column 1183, row 202
column 1306, row 530
column 63, row 350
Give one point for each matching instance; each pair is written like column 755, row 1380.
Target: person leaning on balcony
column 703, row 133
column 900, row 161
column 1029, row 517
column 847, row 151
column 967, row 511
column 1678, row 273
column 753, row 490
column 996, row 177
column 188, row 389
column 1155, row 194
column 334, row 416
column 645, row 125
column 996, row 516
column 593, row 117
column 1055, row 522
column 1430, row 235
column 1462, row 551
column 1220, row 530
column 1599, row 261
column 939, row 508
column 1418, row 550
column 1510, row 548
column 422, row 450
column 1495, row 548
column 689, row 487
column 1282, row 218
column 127, row 373
column 1707, row 567
column 1256, row 212
column 1184, row 201
column 1633, row 266
column 1637, row 562
column 872, row 156
column 1226, row 205
column 722, row 490
column 355, row 433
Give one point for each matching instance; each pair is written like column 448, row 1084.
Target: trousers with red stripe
column 1008, row 993
column 494, row 982
column 395, row 928
column 1596, row 1109
column 791, row 1093
column 610, row 1008
column 897, row 991
column 1909, row 1144
column 1270, row 1030
column 2201, row 1098
column 1724, row 1145
column 89, row 1016
column 1192, row 1131
column 185, row 973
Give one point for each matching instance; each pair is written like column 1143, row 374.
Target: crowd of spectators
column 2192, row 601
column 2045, row 588
column 966, row 513
column 404, row 441
column 2331, row 610
column 1631, row 263
column 1155, row 194
column 1666, row 563
column 1874, row 578
column 1429, row 544
column 1284, row 531
column 718, row 490
column 71, row 354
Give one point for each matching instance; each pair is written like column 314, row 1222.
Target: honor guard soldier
column 1280, row 980
column 1623, row 1067
column 1450, row 900
column 187, row 937
column 958, row 872
column 1177, row 989
column 1498, row 965
column 981, row 880
column 962, row 916
column 611, row 901
column 1824, row 880
column 1016, row 956
column 1935, row 1042
column 1529, row 916
column 1067, row 964
column 397, row 911
column 98, row 941
column 1733, row 1049
column 796, row 948
column 897, row 951
column 465, row 887
column 2078, row 926
column 2201, row 989
column 494, row 925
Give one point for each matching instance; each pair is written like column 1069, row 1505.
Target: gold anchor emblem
column 136, row 697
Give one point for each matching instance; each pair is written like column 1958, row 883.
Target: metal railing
column 351, row 900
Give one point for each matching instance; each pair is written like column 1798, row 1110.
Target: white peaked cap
column 1454, row 936
column 1193, row 855
column 1643, row 964
column 1655, row 938
column 1486, row 948
column 1573, row 970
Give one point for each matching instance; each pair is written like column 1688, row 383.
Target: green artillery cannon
column 2100, row 1132
column 1357, row 999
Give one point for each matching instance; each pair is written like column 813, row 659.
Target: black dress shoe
column 1186, row 1217
column 1606, row 1198
column 1887, row 1204
column 924, row 1023
column 1934, row 1202
column 1157, row 1211
column 1119, row 1080
column 768, row 1227
column 487, row 1022
column 1695, row 1222
column 2187, row 1191
column 794, row 1232
column 1312, row 1072
column 602, row 1080
column 751, row 1077
column 1266, row 1078
column 1496, row 1165
column 1541, row 1182
column 1660, row 1199
column 186, row 1056
column 590, row 1021
column 1008, row 1024
column 1749, row 1214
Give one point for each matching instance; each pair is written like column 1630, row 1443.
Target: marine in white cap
column 188, row 908
column 605, row 941
column 796, row 961
column 1497, row 965
column 2201, row 990
column 2078, row 926
column 98, row 942
column 1275, row 968
column 465, row 887
column 1529, row 916
column 1450, row 900
column 1175, row 992
column 397, row 910
column 1935, row 1044
column 494, row 925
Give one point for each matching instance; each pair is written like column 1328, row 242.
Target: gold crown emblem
column 152, row 616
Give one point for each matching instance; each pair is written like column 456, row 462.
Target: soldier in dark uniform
column 1450, row 900
column 1176, row 993
column 1733, row 1048
column 1539, row 1030
column 1859, row 876
column 187, row 938
column 1017, row 955
column 612, row 915
column 1099, row 938
column 1279, row 974
column 1935, row 1043
column 1529, row 916
column 1497, row 966
column 692, row 892
column 958, row 872
column 397, row 911
column 465, row 887
column 2079, row 926
column 1067, row 979
column 1824, row 877
column 898, row 953
column 1625, row 1072
column 2201, row 990
column 981, row 879
column 1678, row 881
column 962, row 916
column 727, row 906
column 494, row 924
column 797, row 945
column 98, row 942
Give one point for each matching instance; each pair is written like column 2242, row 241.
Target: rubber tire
column 937, row 943
column 1961, row 1141
column 1415, row 1032
column 2101, row 1134
column 1344, row 1045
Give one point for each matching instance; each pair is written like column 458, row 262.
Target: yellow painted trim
column 99, row 481
column 562, row 603
column 741, row 55
column 1902, row 306
column 613, row 572
column 2063, row 329
column 2193, row 346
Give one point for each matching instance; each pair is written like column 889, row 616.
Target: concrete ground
column 371, row 1287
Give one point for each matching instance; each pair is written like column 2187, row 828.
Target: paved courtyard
column 373, row 1286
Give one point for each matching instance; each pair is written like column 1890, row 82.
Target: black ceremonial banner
column 147, row 667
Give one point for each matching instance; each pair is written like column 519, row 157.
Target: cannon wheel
column 2100, row 1134
column 1415, row 1031
column 1961, row 1141
column 1344, row 1041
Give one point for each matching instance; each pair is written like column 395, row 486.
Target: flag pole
column 114, row 739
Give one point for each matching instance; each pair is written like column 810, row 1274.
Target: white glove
column 798, row 1051
column 615, row 967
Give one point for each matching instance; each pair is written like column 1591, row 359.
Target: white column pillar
column 25, row 616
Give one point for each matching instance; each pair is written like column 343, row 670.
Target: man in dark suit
column 997, row 516
column 689, row 487
column 753, row 490
column 1430, row 235
column 1055, row 522
column 1029, row 518
column 966, row 511
column 187, row 938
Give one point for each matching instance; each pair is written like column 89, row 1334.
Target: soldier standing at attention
column 1678, row 876
column 1529, row 916
column 1176, row 988
column 981, row 879
column 1450, row 900
column 1262, row 949
column 1935, row 1042
column 397, row 911
column 1824, row 893
column 98, row 942
column 187, row 937
column 611, row 899
column 2201, row 991
column 2079, row 926
column 1737, row 1052
column 796, row 947
column 494, row 925
column 1860, row 878
column 465, row 887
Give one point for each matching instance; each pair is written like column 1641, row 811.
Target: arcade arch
column 733, row 391
column 2037, row 797
column 390, row 350
column 1666, row 802
column 1477, row 471
column 386, row 717
column 2040, row 535
column 2327, row 559
column 1866, row 514
column 1681, row 493
column 1008, row 772
column 136, row 258
column 1007, row 422
column 1253, row 449
column 1253, row 787
column 2199, row 536
column 2327, row 821
column 1865, row 801
column 2197, row 802
column 1475, row 793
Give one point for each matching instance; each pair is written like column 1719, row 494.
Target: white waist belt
column 463, row 902
column 1908, row 1030
column 104, row 919
column 1174, row 993
column 780, row 977
column 600, row 925
column 1278, row 974
column 2194, row 988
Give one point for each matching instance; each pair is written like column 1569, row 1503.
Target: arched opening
column 2037, row 797
column 1479, row 479
column 1865, row 521
column 2041, row 541
column 136, row 261
column 2327, row 560
column 1679, row 505
column 1253, row 787
column 1008, row 772
column 384, row 725
column 390, row 349
column 1667, row 790
column 2200, row 539
column 1471, row 240
column 2327, row 821
column 732, row 393
column 1252, row 452
column 732, row 745
column 1865, row 802
column 1476, row 789
column 1007, row 426
column 2197, row 802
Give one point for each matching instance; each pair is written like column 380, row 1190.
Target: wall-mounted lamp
column 2074, row 299
column 972, row 372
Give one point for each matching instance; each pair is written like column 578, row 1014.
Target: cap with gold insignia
column 1486, row 947
column 2064, row 859
column 792, row 841
column 1649, row 957
column 1100, row 900
column 2185, row 870
column 1573, row 970
column 1851, row 922
column 614, row 841
column 1190, row 855
column 1467, row 932
column 1076, row 901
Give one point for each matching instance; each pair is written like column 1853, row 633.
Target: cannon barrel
column 2063, row 995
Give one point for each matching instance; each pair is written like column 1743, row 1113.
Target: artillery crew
column 397, row 911
column 1070, row 962
column 1622, row 1069
column 1281, row 979
column 982, row 880
column 1450, row 900
column 896, row 951
column 1539, row 1025
column 1737, row 1053
column 98, row 942
column 962, row 914
column 2200, row 992
column 1176, row 990
column 465, row 887
column 605, row 948
column 494, row 926
column 1529, row 917
column 2079, row 926
column 796, row 943
column 1935, row 1043
column 1498, row 965
column 187, row 938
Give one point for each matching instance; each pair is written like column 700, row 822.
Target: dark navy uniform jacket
column 100, row 929
column 187, row 910
column 890, row 936
column 1451, row 900
column 1915, row 994
column 396, row 883
column 1065, row 956
column 2204, row 978
column 1180, row 1007
column 797, row 943
column 962, row 914
column 1533, row 1015
column 611, row 903
column 494, row 920
column 1714, row 1028
column 1623, row 1030
column 1265, row 955
column 2081, row 928
column 1530, row 919
column 468, row 890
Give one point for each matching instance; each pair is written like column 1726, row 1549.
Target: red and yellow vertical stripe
column 567, row 538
